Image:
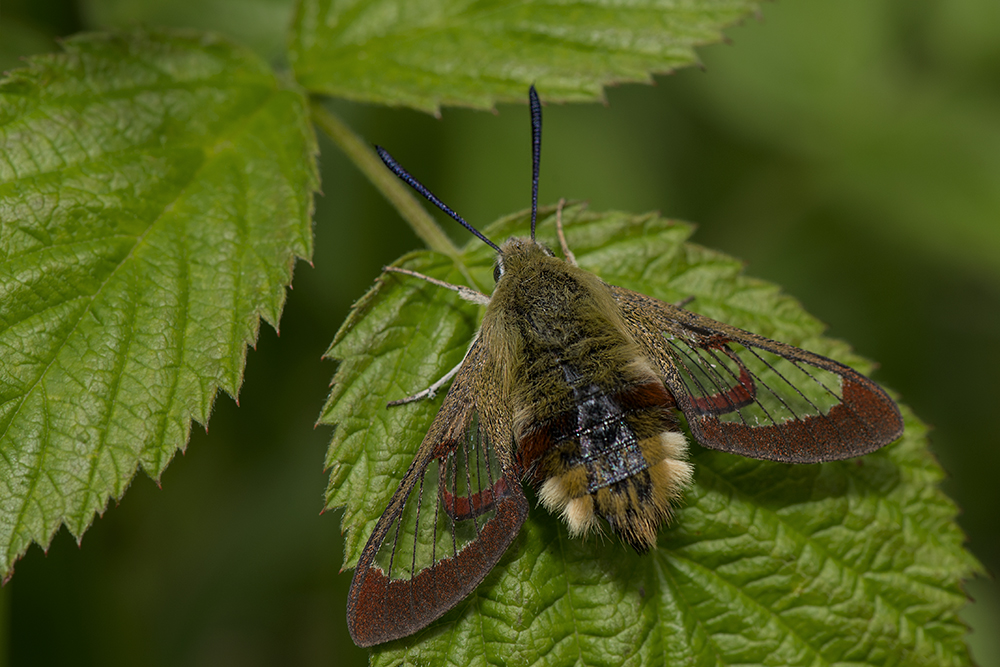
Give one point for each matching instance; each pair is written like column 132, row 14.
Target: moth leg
column 466, row 293
column 685, row 301
column 567, row 253
column 432, row 390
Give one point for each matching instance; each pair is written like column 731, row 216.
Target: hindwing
column 749, row 395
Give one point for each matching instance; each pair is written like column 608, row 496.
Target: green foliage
column 852, row 562
column 432, row 52
column 156, row 189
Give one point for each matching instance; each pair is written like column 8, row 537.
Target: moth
column 573, row 386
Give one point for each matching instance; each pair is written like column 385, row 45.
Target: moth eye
column 497, row 272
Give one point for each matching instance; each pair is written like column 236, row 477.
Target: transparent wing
column 753, row 396
column 449, row 522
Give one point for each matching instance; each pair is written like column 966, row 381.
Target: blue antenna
column 419, row 187
column 536, row 152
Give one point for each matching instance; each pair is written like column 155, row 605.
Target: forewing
column 449, row 522
column 749, row 395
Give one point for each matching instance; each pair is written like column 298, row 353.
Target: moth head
column 516, row 253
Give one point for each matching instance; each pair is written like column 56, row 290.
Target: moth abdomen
column 614, row 455
column 637, row 506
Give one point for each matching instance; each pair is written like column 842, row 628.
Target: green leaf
column 425, row 53
column 856, row 562
column 155, row 189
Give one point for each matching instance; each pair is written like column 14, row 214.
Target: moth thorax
column 616, row 455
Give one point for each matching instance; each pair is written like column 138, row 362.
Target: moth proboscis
column 574, row 385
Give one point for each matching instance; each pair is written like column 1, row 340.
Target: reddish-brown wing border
column 379, row 609
column 864, row 419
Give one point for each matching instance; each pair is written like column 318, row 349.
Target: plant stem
column 391, row 187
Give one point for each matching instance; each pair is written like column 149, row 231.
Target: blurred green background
column 848, row 150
